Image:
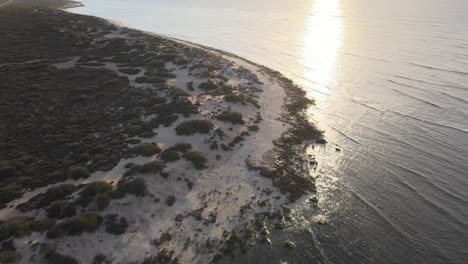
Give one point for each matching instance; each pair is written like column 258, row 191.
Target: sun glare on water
column 322, row 41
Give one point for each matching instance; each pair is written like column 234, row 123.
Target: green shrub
column 129, row 71
column 176, row 92
column 164, row 119
column 232, row 117
column 170, row 200
column 56, row 193
column 134, row 130
column 100, row 259
column 253, row 128
column 78, row 172
column 57, row 258
column 60, row 210
column 150, row 167
column 135, row 186
column 190, row 86
column 235, row 98
column 93, row 189
column 167, row 56
column 146, row 149
column 170, row 155
column 208, row 86
column 197, row 159
column 116, row 194
column 76, row 226
column 194, row 126
column 181, row 147
column 9, row 256
column 10, row 193
column 23, row 226
column 240, row 98
column 102, row 201
column 7, row 172
column 115, row 225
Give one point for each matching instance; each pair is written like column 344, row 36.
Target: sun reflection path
column 322, row 41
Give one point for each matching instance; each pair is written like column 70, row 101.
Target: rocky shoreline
column 117, row 140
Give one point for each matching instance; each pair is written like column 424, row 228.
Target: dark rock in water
column 7, row 172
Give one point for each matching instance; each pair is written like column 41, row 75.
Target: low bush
column 56, row 193
column 23, row 226
column 241, row 99
column 100, row 259
column 102, row 201
column 232, row 117
column 254, row 128
column 170, row 156
column 194, row 126
column 115, row 225
column 150, row 167
column 76, row 226
column 180, row 147
column 190, row 86
column 60, row 210
column 78, row 172
column 92, row 190
column 9, row 193
column 9, row 256
column 208, row 85
column 197, row 159
column 176, row 92
column 56, row 258
column 7, row 172
column 167, row 56
column 129, row 71
column 235, row 98
column 146, row 149
column 170, row 201
column 164, row 119
column 135, row 187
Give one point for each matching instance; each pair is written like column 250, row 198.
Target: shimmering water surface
column 390, row 79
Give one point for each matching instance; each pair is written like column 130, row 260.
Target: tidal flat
column 119, row 146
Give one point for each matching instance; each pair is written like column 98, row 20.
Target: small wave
column 455, row 98
column 438, row 207
column 439, row 188
column 365, row 57
column 416, row 98
column 406, row 85
column 438, row 69
column 346, row 136
column 464, row 130
column 365, row 105
column 383, row 216
column 432, row 83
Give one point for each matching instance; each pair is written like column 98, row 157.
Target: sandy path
column 6, row 3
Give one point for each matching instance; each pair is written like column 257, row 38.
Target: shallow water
column 390, row 79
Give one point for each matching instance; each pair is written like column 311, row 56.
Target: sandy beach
column 120, row 146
